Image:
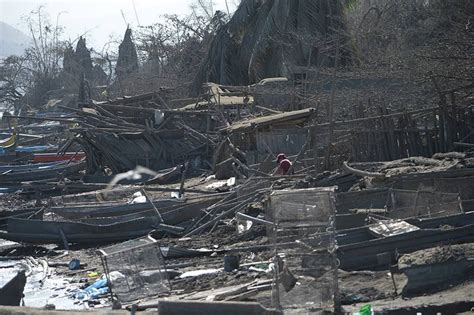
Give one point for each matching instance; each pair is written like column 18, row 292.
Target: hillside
column 12, row 40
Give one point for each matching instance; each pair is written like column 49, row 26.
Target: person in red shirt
column 284, row 165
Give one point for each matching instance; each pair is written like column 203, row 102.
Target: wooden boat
column 33, row 213
column 163, row 177
column 10, row 142
column 51, row 157
column 166, row 176
column 362, row 234
column 363, row 199
column 60, row 232
column 106, row 179
column 30, row 190
column 48, row 173
column 96, row 211
column 36, row 148
column 104, row 229
column 399, row 203
column 91, row 211
column 359, row 249
column 381, row 253
column 12, row 292
column 171, row 216
column 27, row 167
column 8, row 157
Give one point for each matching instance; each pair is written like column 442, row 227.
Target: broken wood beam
column 361, row 173
column 365, row 119
column 462, row 144
column 188, row 190
column 153, row 205
column 222, row 215
column 242, row 216
column 278, row 177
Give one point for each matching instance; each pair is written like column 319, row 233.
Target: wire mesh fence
column 306, row 218
column 408, row 203
column 400, row 203
column 135, row 269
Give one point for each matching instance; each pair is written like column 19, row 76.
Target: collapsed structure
column 208, row 222
column 175, row 204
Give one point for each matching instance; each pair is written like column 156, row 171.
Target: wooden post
column 443, row 117
column 331, row 109
column 416, row 202
column 315, row 149
column 153, row 205
column 183, row 178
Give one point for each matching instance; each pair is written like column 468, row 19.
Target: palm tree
column 268, row 38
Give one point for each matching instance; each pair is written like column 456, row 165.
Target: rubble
column 436, row 268
column 158, row 211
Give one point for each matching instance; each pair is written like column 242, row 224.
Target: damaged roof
column 222, row 96
column 249, row 125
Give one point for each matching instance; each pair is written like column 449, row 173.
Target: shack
column 261, row 136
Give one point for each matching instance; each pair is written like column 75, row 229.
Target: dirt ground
column 437, row 254
column 355, row 288
column 460, row 294
column 365, row 286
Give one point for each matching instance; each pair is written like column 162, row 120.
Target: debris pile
column 186, row 206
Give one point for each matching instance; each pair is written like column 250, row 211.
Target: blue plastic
column 100, row 283
column 74, row 264
column 99, row 287
column 98, row 292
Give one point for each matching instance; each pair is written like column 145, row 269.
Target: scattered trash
column 196, row 273
column 92, row 274
column 181, row 198
column 365, row 310
column 74, row 264
column 98, row 288
column 138, row 197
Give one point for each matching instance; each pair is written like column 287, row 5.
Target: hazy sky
column 98, row 18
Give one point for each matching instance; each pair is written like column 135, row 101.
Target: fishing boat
column 166, row 176
column 104, row 227
column 61, row 232
column 9, row 142
column 173, row 216
column 26, row 167
column 111, row 210
column 46, row 173
column 36, row 148
column 162, row 177
column 51, row 157
column 360, row 248
column 32, row 213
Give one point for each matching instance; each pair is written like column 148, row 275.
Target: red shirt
column 283, row 167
